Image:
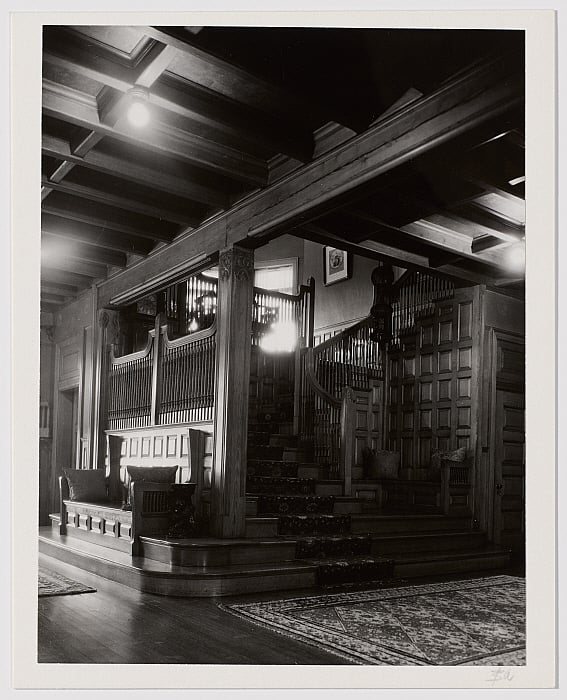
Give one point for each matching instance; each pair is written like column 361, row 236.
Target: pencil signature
column 500, row 674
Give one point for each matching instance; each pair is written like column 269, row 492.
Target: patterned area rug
column 476, row 622
column 51, row 583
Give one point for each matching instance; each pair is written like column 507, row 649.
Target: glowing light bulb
column 139, row 109
column 516, row 257
column 138, row 113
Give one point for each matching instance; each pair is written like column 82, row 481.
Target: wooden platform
column 207, row 567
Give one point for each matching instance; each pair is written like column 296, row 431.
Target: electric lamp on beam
column 139, row 107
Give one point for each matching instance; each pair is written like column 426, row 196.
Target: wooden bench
column 112, row 525
column 109, row 524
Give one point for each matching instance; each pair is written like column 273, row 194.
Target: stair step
column 297, row 454
column 282, row 440
column 328, row 487
column 347, row 504
column 261, row 527
column 334, row 546
column 264, row 452
column 279, row 485
column 273, row 467
column 304, row 525
column 213, row 552
column 308, row 470
column 151, row 576
column 407, row 523
column 353, row 570
column 295, row 505
column 451, row 562
column 406, row 543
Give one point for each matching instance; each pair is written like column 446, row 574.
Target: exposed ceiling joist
column 117, row 199
column 105, row 217
column 94, row 235
column 60, row 245
column 113, row 165
column 88, row 269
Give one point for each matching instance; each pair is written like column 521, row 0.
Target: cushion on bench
column 87, row 485
column 157, row 475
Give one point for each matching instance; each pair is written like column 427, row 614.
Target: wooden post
column 156, row 386
column 196, row 468
column 348, row 427
column 114, row 483
column 234, row 327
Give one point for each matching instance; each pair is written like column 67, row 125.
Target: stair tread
column 488, row 550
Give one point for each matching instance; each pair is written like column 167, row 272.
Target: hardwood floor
column 120, row 625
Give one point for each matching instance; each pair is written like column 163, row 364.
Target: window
column 277, row 275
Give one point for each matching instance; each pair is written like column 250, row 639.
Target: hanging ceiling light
column 138, row 109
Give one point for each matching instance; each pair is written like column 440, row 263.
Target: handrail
column 138, row 355
column 313, row 381
column 189, row 338
column 351, row 330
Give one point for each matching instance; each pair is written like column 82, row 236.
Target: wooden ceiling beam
column 82, row 251
column 118, row 200
column 487, row 90
column 481, row 94
column 93, row 235
column 62, row 290
column 235, row 82
column 499, row 225
column 87, row 213
column 198, row 104
column 66, row 104
column 154, row 63
column 113, row 165
column 64, row 277
column 80, row 267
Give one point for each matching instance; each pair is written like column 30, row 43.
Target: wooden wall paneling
column 431, row 384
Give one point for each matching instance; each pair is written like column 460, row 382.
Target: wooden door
column 509, row 470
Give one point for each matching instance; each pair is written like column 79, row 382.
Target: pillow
column 437, row 457
column 381, row 464
column 158, row 475
column 454, row 456
column 87, row 485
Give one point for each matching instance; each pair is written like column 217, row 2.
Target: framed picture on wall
column 336, row 265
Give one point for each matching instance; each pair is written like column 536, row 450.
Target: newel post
column 348, row 445
column 234, row 328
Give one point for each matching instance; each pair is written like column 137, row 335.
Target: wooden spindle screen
column 417, row 294
column 130, row 388
column 191, row 305
column 187, row 378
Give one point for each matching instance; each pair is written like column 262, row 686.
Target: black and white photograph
column 281, row 339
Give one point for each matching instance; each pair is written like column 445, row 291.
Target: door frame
column 495, row 337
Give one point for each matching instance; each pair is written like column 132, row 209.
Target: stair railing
column 331, row 373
